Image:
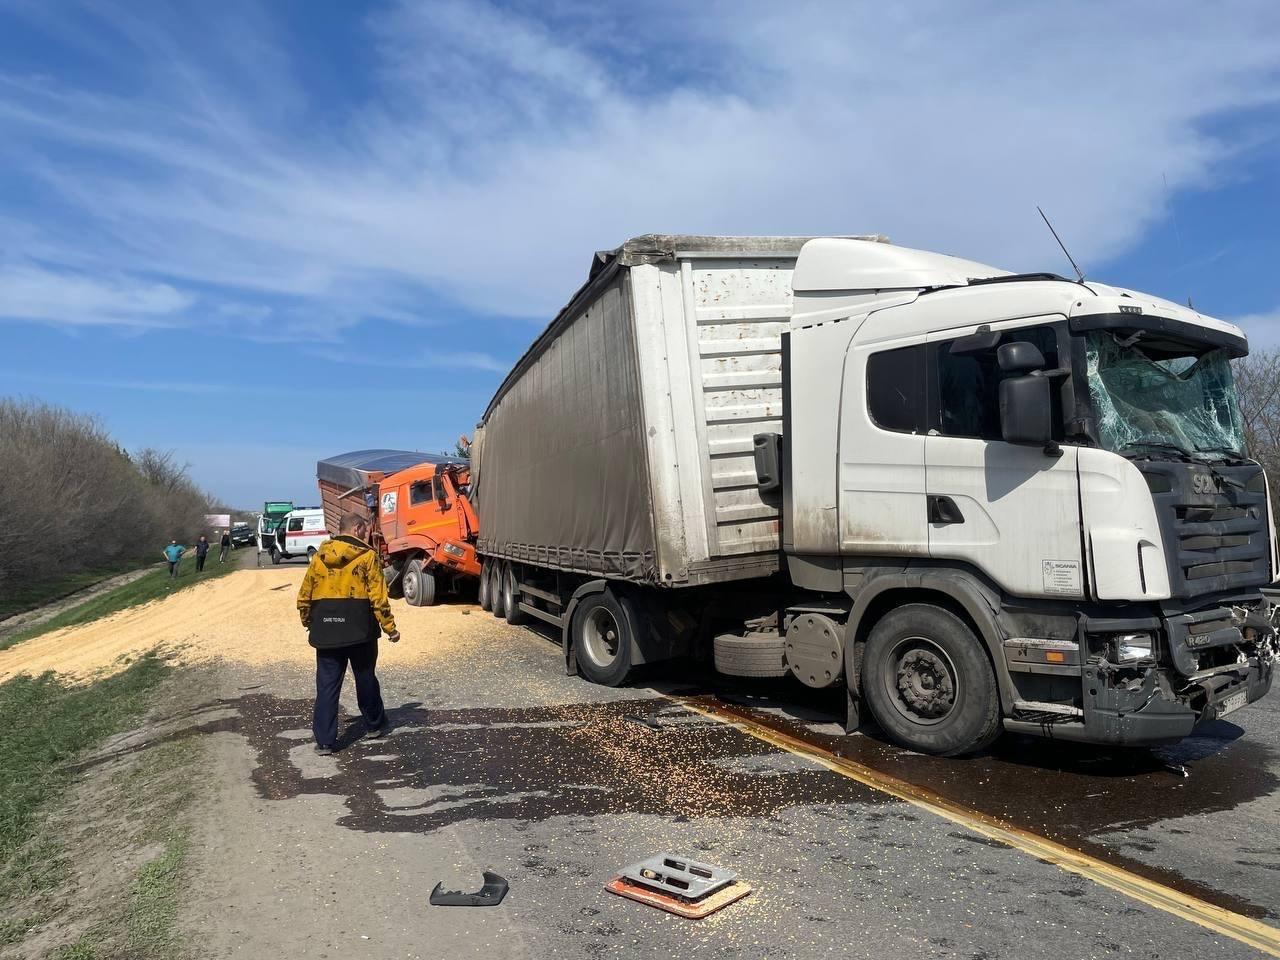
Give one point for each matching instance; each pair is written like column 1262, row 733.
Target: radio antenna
column 1177, row 230
column 1074, row 266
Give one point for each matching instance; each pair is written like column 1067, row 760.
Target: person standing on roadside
column 344, row 606
column 225, row 545
column 202, row 551
column 173, row 553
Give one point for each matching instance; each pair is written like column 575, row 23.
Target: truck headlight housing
column 1130, row 647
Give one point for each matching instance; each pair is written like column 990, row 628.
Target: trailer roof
column 653, row 248
column 360, row 468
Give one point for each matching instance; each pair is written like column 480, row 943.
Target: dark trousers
column 173, row 569
column 222, row 554
column 331, row 668
column 199, row 562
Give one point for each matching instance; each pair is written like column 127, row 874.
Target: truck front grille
column 1217, row 539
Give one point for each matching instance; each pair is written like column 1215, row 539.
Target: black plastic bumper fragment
column 490, row 895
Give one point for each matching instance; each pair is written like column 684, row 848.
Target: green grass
column 153, row 910
column 151, row 586
column 21, row 597
column 46, row 725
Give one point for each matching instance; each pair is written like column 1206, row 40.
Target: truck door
column 389, row 511
column 1011, row 511
column 882, row 451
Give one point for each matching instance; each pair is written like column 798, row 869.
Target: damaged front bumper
column 1204, row 666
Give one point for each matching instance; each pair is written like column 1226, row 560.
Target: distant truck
column 974, row 500
column 273, row 512
column 423, row 523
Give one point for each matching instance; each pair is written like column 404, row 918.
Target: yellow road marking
column 1226, row 922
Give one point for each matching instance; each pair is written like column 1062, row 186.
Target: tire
column 511, row 597
column 482, row 590
column 929, row 682
column 496, row 605
column 394, row 588
column 311, row 552
column 418, row 584
column 275, row 556
column 604, row 629
column 755, row 655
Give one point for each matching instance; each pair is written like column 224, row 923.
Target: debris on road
column 489, row 895
column 686, row 888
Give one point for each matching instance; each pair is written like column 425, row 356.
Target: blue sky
column 260, row 234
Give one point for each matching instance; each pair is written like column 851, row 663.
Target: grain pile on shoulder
column 247, row 616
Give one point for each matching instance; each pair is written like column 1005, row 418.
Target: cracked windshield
column 1184, row 402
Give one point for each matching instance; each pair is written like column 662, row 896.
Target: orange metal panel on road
column 692, row 909
column 1244, row 929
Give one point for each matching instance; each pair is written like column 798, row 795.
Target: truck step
column 1042, row 706
column 541, row 614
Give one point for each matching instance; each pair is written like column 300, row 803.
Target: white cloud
column 63, row 297
column 422, row 360
column 499, row 150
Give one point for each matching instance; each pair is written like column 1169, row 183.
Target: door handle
column 943, row 510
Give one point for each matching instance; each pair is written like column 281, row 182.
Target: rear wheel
column 604, row 628
column 311, row 552
column 418, row 584
column 275, row 556
column 929, row 682
column 511, row 596
column 497, row 606
column 484, row 598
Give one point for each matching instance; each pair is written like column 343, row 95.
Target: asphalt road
column 499, row 761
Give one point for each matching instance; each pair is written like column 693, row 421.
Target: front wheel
column 604, row 629
column 275, row 556
column 418, row 584
column 929, row 682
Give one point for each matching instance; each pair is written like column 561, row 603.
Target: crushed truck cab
column 1067, row 457
column 422, row 520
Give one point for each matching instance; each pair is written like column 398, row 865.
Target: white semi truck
column 977, row 500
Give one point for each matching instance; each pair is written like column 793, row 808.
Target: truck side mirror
column 1026, row 409
column 1019, row 357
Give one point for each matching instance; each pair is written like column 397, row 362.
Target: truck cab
column 427, row 528
column 1050, row 472
column 421, row 518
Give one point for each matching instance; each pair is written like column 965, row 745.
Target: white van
column 299, row 534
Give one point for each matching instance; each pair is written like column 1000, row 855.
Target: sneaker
column 323, row 750
column 379, row 732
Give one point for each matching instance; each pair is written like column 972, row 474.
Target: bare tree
column 1257, row 379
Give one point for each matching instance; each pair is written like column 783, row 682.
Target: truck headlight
column 1131, row 647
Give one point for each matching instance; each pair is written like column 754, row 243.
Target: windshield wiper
column 1155, row 445
column 1228, row 452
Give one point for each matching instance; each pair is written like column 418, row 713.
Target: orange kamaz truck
column 423, row 523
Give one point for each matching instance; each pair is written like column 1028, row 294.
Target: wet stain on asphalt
column 1063, row 791
column 1070, row 793
column 442, row 767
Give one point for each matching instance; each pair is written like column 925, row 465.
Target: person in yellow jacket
column 344, row 606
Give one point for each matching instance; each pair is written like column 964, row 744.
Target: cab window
column 295, row 524
column 895, row 389
column 419, row 493
column 968, row 385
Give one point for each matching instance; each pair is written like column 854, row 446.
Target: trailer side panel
column 565, row 483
